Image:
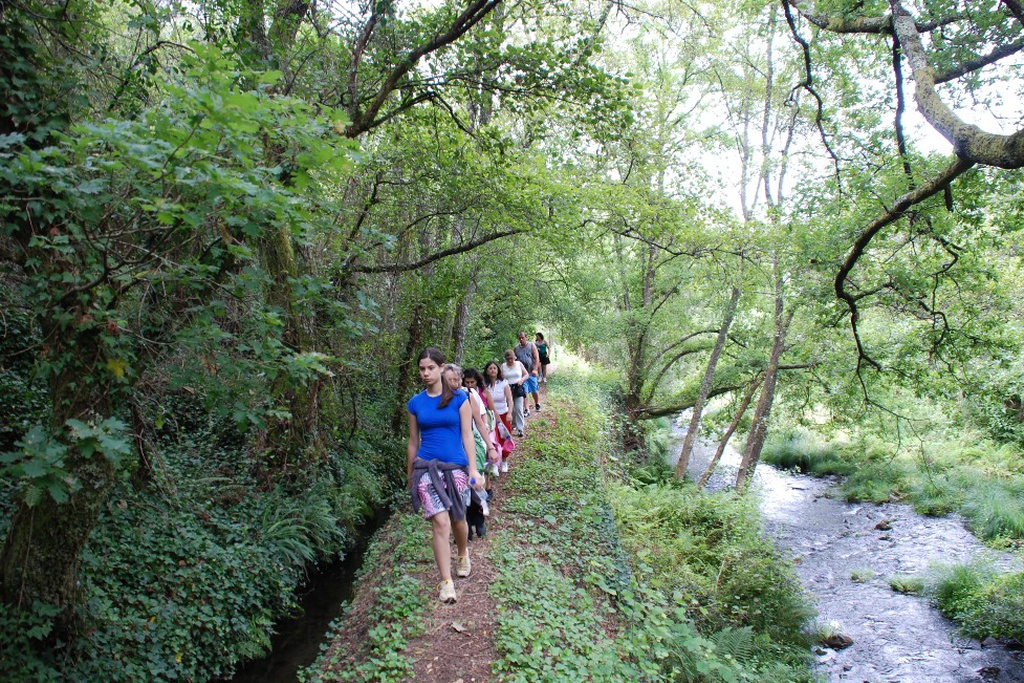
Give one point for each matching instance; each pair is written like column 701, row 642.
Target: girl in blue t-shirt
column 438, row 469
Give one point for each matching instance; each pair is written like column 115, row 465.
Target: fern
column 737, row 644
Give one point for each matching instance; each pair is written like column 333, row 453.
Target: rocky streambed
column 845, row 555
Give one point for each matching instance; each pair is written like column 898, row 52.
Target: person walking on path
column 501, row 398
column 543, row 355
column 473, row 381
column 526, row 353
column 484, row 449
column 516, row 374
column 439, row 468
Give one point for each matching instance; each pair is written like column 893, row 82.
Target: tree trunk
column 462, row 318
column 759, row 429
column 636, row 345
column 705, row 385
column 710, row 469
column 44, row 542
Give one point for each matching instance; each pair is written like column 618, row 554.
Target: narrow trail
column 457, row 644
column 845, row 554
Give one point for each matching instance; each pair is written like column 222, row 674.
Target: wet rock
column 838, row 641
column 884, row 525
column 989, row 673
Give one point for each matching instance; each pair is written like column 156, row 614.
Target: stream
column 896, row 637
column 296, row 642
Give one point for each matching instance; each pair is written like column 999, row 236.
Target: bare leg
column 461, row 530
column 441, row 527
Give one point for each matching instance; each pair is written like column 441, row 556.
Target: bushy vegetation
column 983, row 602
column 188, row 571
column 702, row 595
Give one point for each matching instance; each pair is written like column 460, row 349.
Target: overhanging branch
column 467, row 246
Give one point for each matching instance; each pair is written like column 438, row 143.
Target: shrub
column 1000, row 610
column 957, row 589
column 995, row 509
column 805, row 452
column 709, row 550
column 982, row 603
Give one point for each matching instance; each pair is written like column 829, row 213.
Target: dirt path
column 458, row 645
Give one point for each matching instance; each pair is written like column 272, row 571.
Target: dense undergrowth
column 602, row 577
column 970, row 475
column 191, row 565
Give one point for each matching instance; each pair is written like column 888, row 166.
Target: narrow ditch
column 297, row 640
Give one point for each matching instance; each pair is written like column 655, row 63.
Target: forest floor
column 456, row 643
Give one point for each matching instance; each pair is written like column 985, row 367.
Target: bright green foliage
column 997, row 610
column 707, row 552
column 982, row 602
column 654, row 564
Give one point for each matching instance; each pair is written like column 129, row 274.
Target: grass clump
column 862, row 575
column 994, row 508
column 806, row 452
column 908, row 585
column 981, row 601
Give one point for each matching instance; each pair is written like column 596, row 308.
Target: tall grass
column 806, row 452
column 982, row 602
column 994, row 508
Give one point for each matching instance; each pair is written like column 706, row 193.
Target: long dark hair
column 487, row 377
column 434, row 354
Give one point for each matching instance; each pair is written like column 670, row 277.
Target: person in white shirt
column 515, row 374
column 501, row 398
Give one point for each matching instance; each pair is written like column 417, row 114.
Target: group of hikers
column 461, row 429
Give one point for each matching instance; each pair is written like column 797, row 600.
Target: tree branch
column 919, row 194
column 363, row 121
column 467, row 246
column 979, row 62
column 649, row 413
column 808, row 83
column 881, row 25
column 969, row 141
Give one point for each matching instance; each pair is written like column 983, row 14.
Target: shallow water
column 896, row 637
